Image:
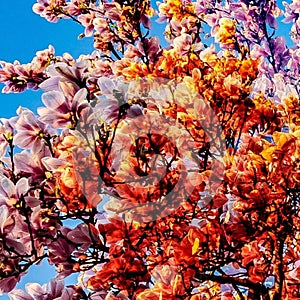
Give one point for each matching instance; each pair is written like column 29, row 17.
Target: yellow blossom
column 225, row 33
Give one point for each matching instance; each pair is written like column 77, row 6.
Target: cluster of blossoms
column 178, row 165
column 18, row 78
column 108, row 22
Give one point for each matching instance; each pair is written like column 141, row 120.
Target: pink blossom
column 7, row 284
column 113, row 102
column 43, row 59
column 178, row 28
column 60, row 254
column 43, row 220
column 82, row 235
column 102, row 29
column 291, row 11
column 51, row 10
column 6, row 133
column 17, row 77
column 77, row 7
column 101, row 69
column 132, row 52
column 165, row 274
column 208, row 54
column 182, row 44
column 18, row 294
column 294, row 61
column 54, row 164
column 203, row 7
column 65, row 78
column 55, row 289
column 38, row 291
column 60, row 111
column 28, row 164
column 7, row 222
column 113, row 11
column 11, row 193
column 87, row 21
column 151, row 46
column 213, row 20
column 31, row 132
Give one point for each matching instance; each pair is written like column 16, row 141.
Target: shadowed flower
column 83, row 235
column 7, row 284
column 60, row 253
column 113, row 102
column 152, row 47
column 7, row 222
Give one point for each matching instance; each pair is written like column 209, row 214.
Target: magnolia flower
column 291, row 11
column 87, row 21
column 65, row 78
column 83, row 235
column 7, row 284
column 30, row 166
column 164, row 274
column 151, row 46
column 113, row 11
column 77, row 7
column 113, row 100
column 43, row 58
column 225, row 32
column 7, row 221
column 59, row 111
column 31, row 132
column 17, row 77
column 6, row 133
column 11, row 193
column 183, row 44
column 55, row 289
column 51, row 10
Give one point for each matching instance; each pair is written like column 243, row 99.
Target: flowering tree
column 179, row 164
